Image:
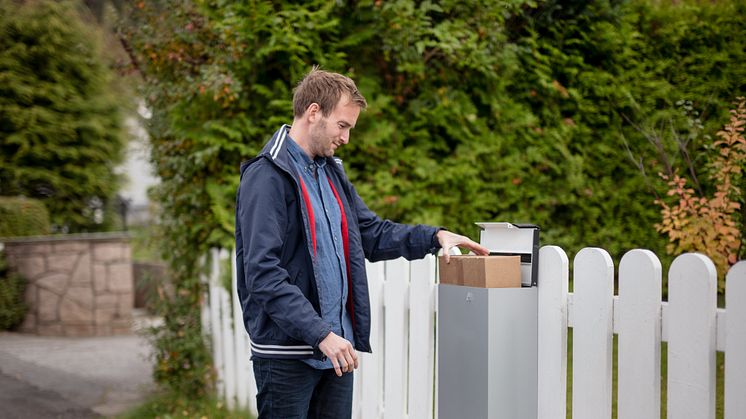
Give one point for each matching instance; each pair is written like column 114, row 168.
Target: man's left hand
column 448, row 240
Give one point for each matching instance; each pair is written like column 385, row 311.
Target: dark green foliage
column 12, row 306
column 516, row 111
column 605, row 72
column 22, row 217
column 60, row 126
column 182, row 361
column 490, row 111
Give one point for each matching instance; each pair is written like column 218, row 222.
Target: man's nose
column 345, row 137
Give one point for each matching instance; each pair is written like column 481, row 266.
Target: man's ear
column 313, row 112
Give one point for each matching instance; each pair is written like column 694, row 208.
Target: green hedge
column 478, row 111
column 509, row 110
column 12, row 307
column 23, row 217
column 61, row 123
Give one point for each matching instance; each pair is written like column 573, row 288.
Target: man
column 302, row 233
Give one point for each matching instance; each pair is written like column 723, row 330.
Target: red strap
column 346, row 246
column 311, row 220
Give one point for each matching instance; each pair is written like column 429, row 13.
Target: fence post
column 552, row 330
column 592, row 334
column 395, row 331
column 735, row 342
column 215, row 322
column 692, row 295
column 241, row 349
column 639, row 332
column 422, row 337
column 205, row 306
column 371, row 365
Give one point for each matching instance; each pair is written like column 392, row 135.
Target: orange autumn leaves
column 710, row 224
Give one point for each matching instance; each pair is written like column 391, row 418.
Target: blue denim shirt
column 330, row 257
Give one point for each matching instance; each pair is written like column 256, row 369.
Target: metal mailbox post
column 487, row 337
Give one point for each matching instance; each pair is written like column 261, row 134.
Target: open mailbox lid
column 508, row 239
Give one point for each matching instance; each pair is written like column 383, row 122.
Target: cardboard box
column 482, row 271
column 451, row 273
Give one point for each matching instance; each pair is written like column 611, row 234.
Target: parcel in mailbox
column 481, row 271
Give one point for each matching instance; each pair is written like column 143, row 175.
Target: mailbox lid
column 509, row 237
column 502, row 238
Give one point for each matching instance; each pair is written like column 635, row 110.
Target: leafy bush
column 23, row 217
column 478, row 111
column 491, row 111
column 695, row 222
column 182, row 359
column 12, row 306
column 60, row 123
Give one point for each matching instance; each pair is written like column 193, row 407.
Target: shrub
column 12, row 306
column 478, row 111
column 697, row 222
column 182, row 360
column 60, row 121
column 22, row 217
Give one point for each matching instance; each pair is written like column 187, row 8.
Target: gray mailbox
column 487, row 337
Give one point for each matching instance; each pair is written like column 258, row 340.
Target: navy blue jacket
column 274, row 257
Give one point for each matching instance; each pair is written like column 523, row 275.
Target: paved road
column 64, row 376
column 20, row 400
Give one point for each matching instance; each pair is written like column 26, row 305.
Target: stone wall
column 77, row 285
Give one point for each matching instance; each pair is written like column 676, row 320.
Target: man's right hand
column 340, row 352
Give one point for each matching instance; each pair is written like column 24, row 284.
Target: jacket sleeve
column 385, row 239
column 263, row 216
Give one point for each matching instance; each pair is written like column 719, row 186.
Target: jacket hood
column 274, row 150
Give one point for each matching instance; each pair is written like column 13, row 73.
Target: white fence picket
column 421, row 338
column 243, row 375
column 252, row 380
column 395, row 330
column 735, row 343
column 639, row 330
column 592, row 334
column 552, row 330
column 206, row 307
column 692, row 301
column 229, row 355
column 215, row 323
column 371, row 365
column 226, row 326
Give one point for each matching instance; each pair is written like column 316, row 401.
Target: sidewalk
column 72, row 377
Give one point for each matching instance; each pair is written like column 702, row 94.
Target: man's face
column 330, row 132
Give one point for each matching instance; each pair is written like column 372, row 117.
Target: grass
column 167, row 406
column 720, row 376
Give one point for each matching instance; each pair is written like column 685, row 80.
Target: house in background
column 137, row 171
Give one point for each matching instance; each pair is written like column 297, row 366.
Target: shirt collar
column 300, row 156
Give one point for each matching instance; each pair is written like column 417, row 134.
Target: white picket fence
column 399, row 380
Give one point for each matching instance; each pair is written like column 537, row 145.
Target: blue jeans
column 289, row 388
